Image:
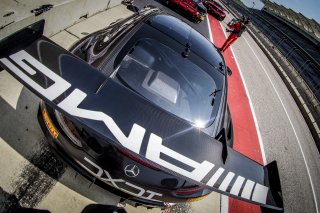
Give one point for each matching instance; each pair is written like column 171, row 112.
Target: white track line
column 295, row 133
column 209, row 27
column 224, row 204
column 264, row 159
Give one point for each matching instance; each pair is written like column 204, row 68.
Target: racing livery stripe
column 237, row 185
column 225, row 183
column 215, row 177
column 260, row 193
column 247, row 190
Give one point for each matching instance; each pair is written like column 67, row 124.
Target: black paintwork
column 126, row 107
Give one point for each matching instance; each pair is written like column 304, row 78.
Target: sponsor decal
column 251, row 190
column 106, row 177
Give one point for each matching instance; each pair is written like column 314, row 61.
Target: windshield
column 170, row 81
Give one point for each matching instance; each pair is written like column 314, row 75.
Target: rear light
column 68, row 128
column 52, row 129
column 138, row 160
column 189, row 190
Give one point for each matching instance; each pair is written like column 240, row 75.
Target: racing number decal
column 251, row 190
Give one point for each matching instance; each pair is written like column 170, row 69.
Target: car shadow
column 9, row 203
column 40, row 168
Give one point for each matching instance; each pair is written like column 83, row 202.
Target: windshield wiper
column 214, row 93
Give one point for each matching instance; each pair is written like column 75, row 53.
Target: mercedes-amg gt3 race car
column 141, row 108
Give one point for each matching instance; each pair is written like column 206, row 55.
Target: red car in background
column 193, row 8
column 215, row 9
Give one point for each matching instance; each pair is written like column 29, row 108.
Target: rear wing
column 62, row 81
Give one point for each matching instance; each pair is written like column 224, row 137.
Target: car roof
column 186, row 35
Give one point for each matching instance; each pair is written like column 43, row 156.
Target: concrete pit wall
column 16, row 14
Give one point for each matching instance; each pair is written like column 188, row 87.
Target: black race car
column 141, row 108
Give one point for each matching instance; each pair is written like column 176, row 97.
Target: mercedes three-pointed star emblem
column 132, row 170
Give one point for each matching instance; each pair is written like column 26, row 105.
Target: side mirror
column 229, row 71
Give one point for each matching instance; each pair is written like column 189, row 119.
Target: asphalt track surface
column 281, row 134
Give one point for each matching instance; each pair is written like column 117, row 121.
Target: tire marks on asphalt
column 35, row 181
